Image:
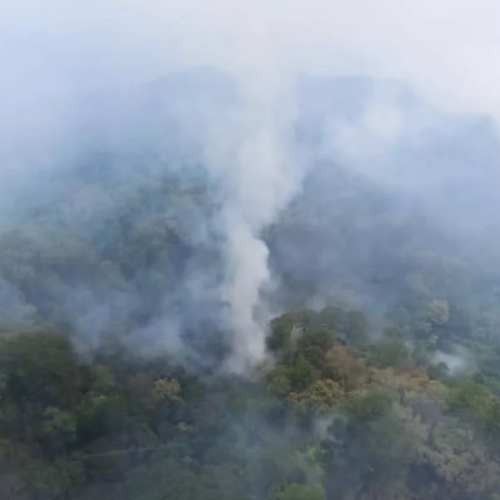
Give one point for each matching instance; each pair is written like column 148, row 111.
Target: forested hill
column 382, row 379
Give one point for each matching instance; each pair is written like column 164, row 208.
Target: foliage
column 351, row 405
column 301, row 492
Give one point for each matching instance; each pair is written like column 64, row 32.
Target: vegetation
column 110, row 355
column 329, row 420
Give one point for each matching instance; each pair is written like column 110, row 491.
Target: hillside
column 381, row 378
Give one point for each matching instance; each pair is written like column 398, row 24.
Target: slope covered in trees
column 335, row 417
column 382, row 378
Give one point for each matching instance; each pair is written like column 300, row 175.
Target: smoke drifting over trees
column 248, row 250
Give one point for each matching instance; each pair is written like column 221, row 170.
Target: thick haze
column 54, row 53
column 449, row 50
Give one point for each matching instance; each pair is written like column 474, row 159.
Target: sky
column 448, row 49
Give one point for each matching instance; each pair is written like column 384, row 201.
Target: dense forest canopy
column 380, row 377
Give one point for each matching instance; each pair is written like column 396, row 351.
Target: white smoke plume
column 261, row 179
column 458, row 363
column 263, row 183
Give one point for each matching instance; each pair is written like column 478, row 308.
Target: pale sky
column 450, row 50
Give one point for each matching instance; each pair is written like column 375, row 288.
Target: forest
column 382, row 371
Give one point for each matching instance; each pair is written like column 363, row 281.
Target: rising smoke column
column 261, row 178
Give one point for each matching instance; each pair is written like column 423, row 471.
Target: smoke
column 54, row 53
column 262, row 181
column 446, row 49
column 456, row 364
column 378, row 130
